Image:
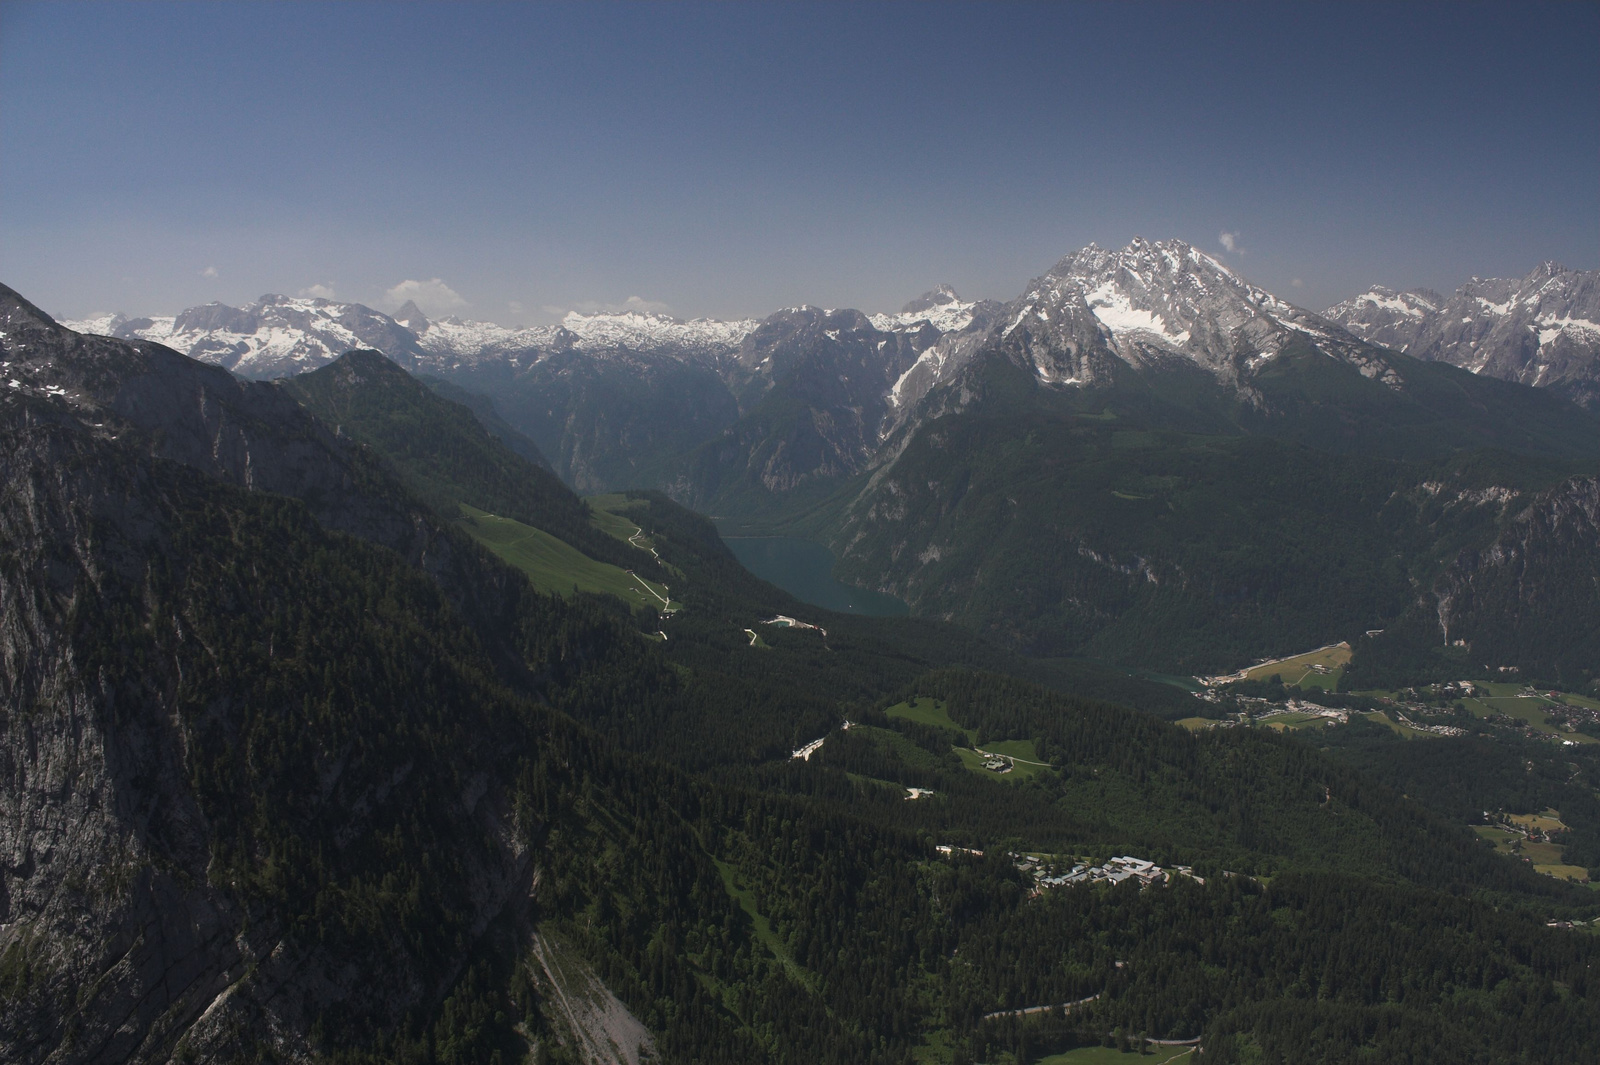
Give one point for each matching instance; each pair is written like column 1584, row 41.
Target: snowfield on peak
column 273, row 337
column 1159, row 299
column 1149, row 305
column 1541, row 330
column 632, row 329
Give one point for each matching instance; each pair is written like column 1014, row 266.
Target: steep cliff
column 1531, row 598
column 264, row 780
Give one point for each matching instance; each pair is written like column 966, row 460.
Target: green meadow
column 555, row 566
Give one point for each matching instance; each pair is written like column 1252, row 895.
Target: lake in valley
column 805, row 570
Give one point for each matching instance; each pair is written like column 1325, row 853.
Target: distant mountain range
column 1541, row 330
column 1149, row 302
column 725, row 413
column 1095, row 467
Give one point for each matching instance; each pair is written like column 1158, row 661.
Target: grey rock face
column 1150, row 307
column 940, row 296
column 123, row 944
column 1541, row 330
column 1515, row 600
column 1386, row 317
column 273, row 337
column 812, row 387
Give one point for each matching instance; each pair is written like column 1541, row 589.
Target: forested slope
column 295, row 771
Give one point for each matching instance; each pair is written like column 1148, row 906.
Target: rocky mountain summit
column 1541, row 330
column 1150, row 307
column 273, row 337
column 807, row 394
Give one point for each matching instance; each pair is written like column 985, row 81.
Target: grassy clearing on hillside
column 609, row 519
column 1549, row 821
column 1502, row 838
column 556, row 567
column 1197, row 724
column 1298, row 671
column 1382, row 718
column 926, row 711
column 763, row 927
column 1293, row 721
column 1545, row 858
column 1023, row 749
column 1529, row 709
column 1019, row 770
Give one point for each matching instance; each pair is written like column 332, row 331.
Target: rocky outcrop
column 591, row 1020
column 1541, row 330
column 1517, row 601
column 234, row 656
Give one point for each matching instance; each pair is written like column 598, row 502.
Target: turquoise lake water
column 805, row 571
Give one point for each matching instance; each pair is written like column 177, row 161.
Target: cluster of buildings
column 1300, row 706
column 805, row 753
column 1114, row 871
column 784, row 621
column 996, row 763
column 1437, row 730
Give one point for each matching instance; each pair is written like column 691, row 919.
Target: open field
column 1580, row 700
column 1400, row 730
column 607, row 519
column 1019, row 770
column 1158, row 1055
column 1540, row 853
column 932, row 712
column 1549, row 821
column 553, row 565
column 1502, row 838
column 1197, row 724
column 1544, row 857
column 926, row 711
column 1294, row 721
column 1295, row 670
column 1530, row 710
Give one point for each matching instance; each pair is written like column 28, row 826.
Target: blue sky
column 732, row 159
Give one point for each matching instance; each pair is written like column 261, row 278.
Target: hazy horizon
column 511, row 163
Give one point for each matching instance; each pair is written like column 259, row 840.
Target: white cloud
column 210, row 271
column 433, row 296
column 636, row 304
column 515, row 307
column 1297, row 283
column 1229, row 241
column 321, row 292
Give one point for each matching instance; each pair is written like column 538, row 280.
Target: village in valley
column 1303, row 691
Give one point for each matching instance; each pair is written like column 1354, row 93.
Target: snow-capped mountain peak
column 1384, row 316
column 1541, row 330
column 274, row 336
column 939, row 307
column 641, row 329
column 1150, row 305
column 1151, row 302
